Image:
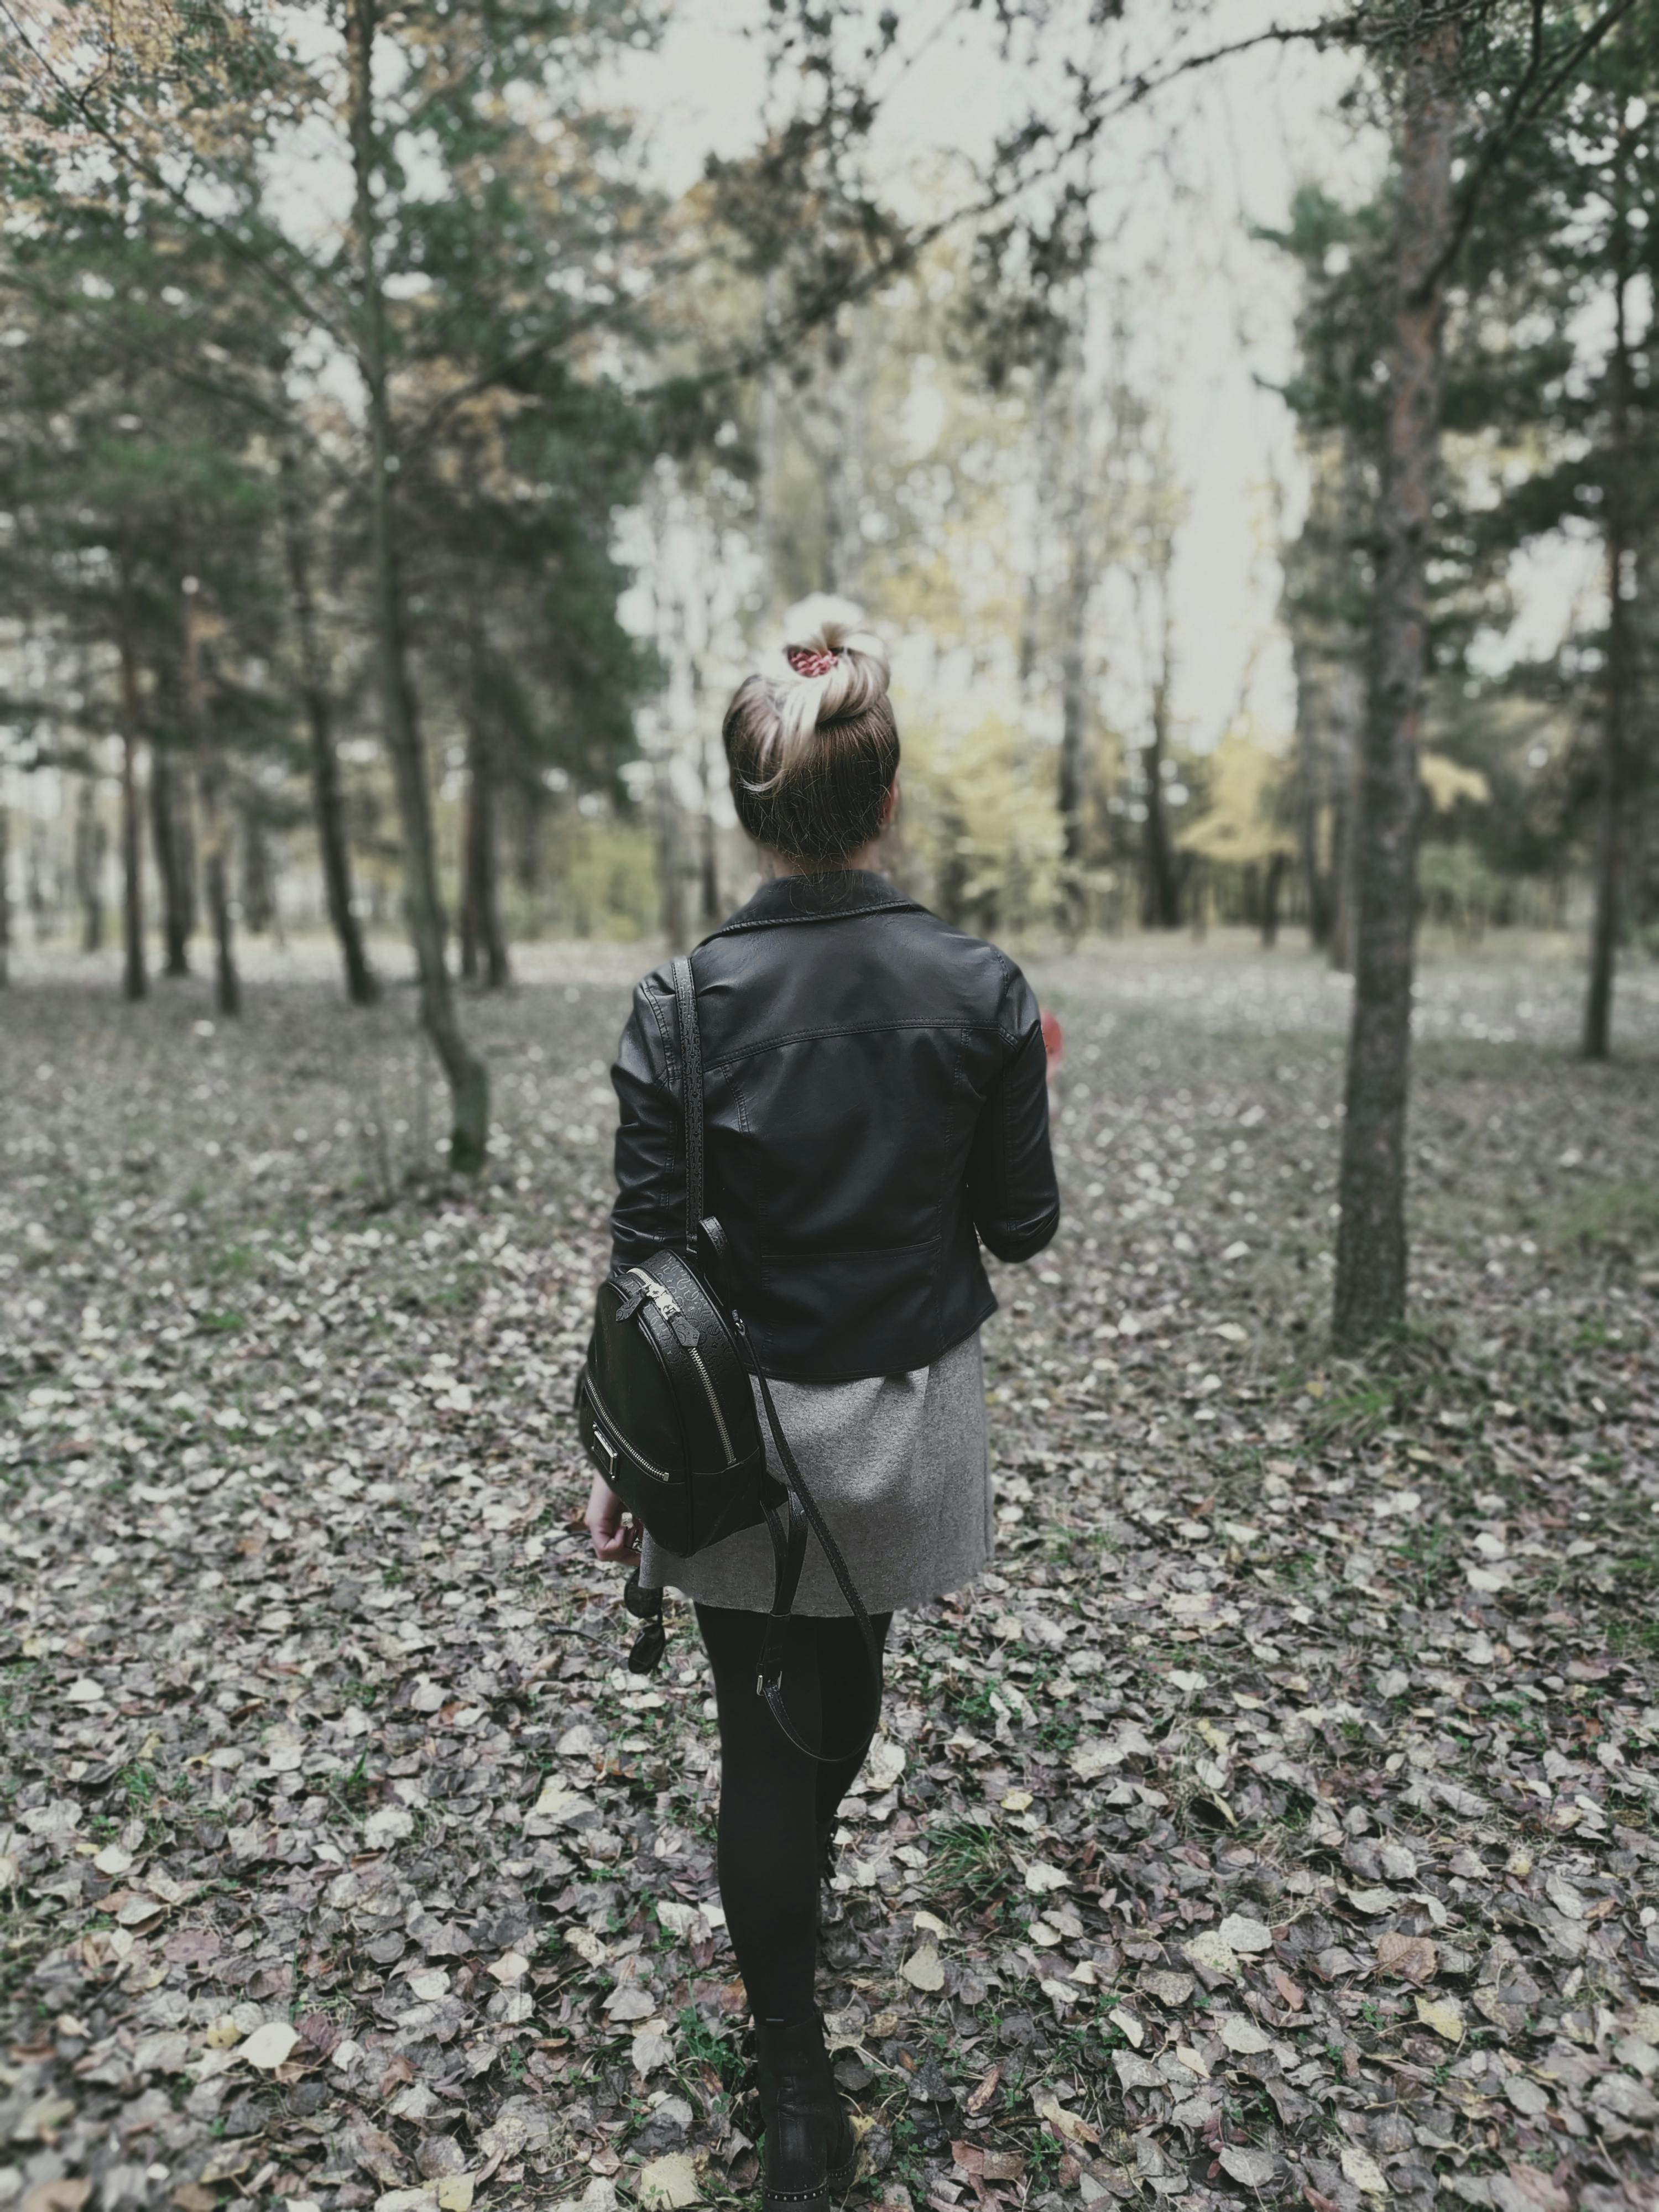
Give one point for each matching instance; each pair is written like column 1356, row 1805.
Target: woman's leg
column 774, row 1799
column 844, row 1696
column 767, row 1847
column 767, row 1859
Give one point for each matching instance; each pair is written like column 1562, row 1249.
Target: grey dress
column 899, row 1466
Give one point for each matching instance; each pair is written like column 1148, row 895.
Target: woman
column 876, row 1105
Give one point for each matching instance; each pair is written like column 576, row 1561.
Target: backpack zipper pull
column 685, row 1330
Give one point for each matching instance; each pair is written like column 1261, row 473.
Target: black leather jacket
column 876, row 1091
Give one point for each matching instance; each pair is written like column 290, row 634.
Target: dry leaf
column 668, row 2185
column 1412, row 1956
column 1443, row 2015
column 922, row 1969
column 1359, row 2167
column 268, row 2047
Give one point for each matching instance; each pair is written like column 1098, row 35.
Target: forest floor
column 1278, row 1823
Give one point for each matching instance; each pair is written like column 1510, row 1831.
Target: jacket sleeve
column 1010, row 1169
column 650, row 1207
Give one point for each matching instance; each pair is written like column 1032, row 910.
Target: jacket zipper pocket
column 668, row 1307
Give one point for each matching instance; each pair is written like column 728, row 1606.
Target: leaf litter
column 1279, row 1823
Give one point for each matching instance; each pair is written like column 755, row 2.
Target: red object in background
column 1054, row 1043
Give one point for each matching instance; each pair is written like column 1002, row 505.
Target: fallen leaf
column 922, row 1969
column 1070, row 2127
column 268, row 2047
column 1254, row 2168
column 1243, row 2036
column 668, row 2185
column 1209, row 1949
column 67, row 2195
column 982, row 2092
column 1443, row 2015
column 1239, row 1933
column 1412, row 1956
column 1359, row 2167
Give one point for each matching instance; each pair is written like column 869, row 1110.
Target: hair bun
column 833, row 666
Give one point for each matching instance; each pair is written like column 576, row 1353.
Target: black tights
column 774, row 1799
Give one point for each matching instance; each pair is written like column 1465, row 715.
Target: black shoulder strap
column 790, row 1507
column 787, row 1519
column 685, row 1007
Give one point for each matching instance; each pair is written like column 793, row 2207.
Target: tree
column 1371, row 1250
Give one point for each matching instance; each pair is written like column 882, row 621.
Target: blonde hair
column 810, row 740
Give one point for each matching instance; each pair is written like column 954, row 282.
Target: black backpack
column 667, row 1415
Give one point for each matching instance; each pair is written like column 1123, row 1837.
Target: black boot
column 808, row 2141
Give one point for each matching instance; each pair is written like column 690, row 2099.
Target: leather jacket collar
column 834, row 896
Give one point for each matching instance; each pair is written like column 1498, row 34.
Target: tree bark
column 89, row 863
column 1273, row 882
column 710, row 851
column 166, row 843
column 1311, row 794
column 841, row 480
column 1620, row 553
column 1370, row 1251
column 1074, row 703
column 466, row 1075
column 671, row 872
column 215, row 817
column 258, row 877
column 1161, row 875
column 327, row 804
column 766, row 459
column 135, row 982
column 483, row 933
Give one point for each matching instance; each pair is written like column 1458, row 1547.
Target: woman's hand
column 614, row 1537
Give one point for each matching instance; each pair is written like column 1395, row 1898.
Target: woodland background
column 396, row 473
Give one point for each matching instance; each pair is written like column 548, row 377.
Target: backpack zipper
column 668, row 1307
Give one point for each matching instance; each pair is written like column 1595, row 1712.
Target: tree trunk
column 1371, row 1252
column 1278, row 867
column 766, row 459
column 710, row 853
column 258, row 877
column 89, row 863
column 1311, row 795
column 840, row 470
column 483, row 933
column 5, row 893
column 468, row 933
column 215, row 817
column 1042, row 504
column 328, row 808
column 466, row 1075
column 1161, row 875
column 135, row 982
column 1610, row 798
column 1074, row 717
column 166, row 841
column 671, row 872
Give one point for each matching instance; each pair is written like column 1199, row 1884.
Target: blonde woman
column 876, row 1108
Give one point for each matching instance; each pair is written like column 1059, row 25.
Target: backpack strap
column 685, row 1008
column 790, row 1511
column 790, row 1508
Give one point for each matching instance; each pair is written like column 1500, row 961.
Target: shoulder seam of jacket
column 735, row 928
column 842, row 1029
